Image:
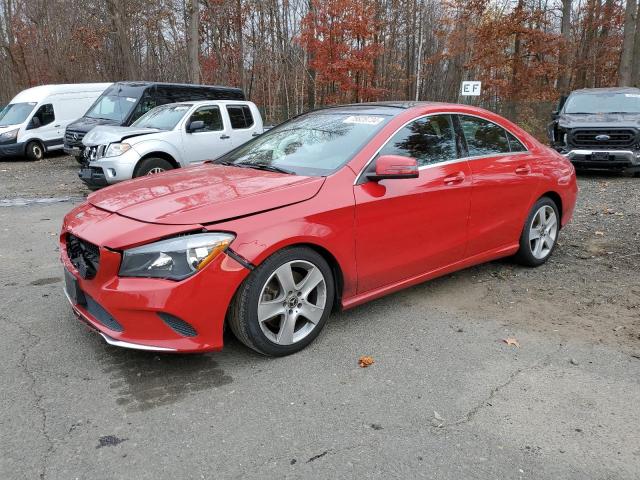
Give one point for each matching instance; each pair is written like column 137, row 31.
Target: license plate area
column 600, row 156
column 72, row 288
column 85, row 173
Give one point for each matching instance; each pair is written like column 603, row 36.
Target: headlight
column 116, row 149
column 175, row 258
column 10, row 135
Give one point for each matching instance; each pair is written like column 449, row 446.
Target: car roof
column 595, row 91
column 39, row 93
column 394, row 108
column 200, row 103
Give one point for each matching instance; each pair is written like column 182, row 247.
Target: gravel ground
column 445, row 398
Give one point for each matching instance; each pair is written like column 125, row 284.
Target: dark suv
column 599, row 128
column 124, row 102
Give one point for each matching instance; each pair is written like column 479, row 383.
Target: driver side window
column 43, row 116
column 210, row 116
column 429, row 140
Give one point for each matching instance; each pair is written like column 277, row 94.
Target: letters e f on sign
column 470, row 88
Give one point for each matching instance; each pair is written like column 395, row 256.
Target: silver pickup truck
column 170, row 136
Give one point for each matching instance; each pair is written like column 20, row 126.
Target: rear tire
column 151, row 166
column 34, row 151
column 282, row 306
column 540, row 233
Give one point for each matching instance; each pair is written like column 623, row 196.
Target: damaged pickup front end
column 594, row 130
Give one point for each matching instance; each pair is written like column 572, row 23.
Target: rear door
column 243, row 123
column 209, row 142
column 408, row 227
column 503, row 184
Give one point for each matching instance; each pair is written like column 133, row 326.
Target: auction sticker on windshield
column 363, row 119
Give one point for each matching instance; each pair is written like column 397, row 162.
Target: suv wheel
column 151, row 166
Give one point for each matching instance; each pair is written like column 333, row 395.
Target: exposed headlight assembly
column 8, row 136
column 116, row 149
column 175, row 258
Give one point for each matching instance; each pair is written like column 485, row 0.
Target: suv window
column 210, row 116
column 44, row 115
column 429, row 140
column 147, row 102
column 483, row 137
column 515, row 144
column 240, row 116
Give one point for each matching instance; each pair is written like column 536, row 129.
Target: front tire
column 34, row 151
column 151, row 166
column 540, row 233
column 284, row 303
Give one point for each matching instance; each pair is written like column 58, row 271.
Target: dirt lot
column 445, row 399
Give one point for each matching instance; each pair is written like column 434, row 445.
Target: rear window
column 483, row 137
column 240, row 116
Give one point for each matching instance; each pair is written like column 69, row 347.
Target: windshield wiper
column 264, row 166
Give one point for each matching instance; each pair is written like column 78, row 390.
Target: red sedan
column 328, row 210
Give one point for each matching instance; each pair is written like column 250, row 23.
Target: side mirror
column 554, row 114
column 394, row 166
column 195, row 126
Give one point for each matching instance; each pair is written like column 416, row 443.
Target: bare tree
column 193, row 40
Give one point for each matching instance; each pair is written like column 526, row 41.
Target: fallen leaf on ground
column 365, row 361
column 599, row 233
column 511, row 341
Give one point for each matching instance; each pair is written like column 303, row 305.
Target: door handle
column 523, row 170
column 454, row 179
column 224, row 137
column 255, row 134
column 56, row 126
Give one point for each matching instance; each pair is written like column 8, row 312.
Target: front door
column 43, row 126
column 209, row 142
column 408, row 227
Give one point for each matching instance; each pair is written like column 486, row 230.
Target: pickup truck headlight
column 175, row 258
column 9, row 136
column 116, row 149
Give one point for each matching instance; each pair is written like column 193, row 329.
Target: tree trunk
column 193, row 40
column 626, row 59
column 563, row 57
column 124, row 69
column 635, row 69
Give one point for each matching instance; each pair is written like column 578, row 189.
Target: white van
column 35, row 120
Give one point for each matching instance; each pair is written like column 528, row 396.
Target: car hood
column 104, row 135
column 205, row 194
column 611, row 120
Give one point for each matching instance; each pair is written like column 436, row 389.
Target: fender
column 156, row 145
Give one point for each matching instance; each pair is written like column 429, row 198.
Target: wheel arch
column 157, row 154
column 557, row 199
column 329, row 257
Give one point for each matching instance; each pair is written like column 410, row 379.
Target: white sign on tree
column 470, row 88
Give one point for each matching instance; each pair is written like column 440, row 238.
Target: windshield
column 314, row 144
column 112, row 107
column 603, row 103
column 15, row 113
column 165, row 117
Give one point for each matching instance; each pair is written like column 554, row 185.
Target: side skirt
column 394, row 287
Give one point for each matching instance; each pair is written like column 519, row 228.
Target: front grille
column 597, row 138
column 73, row 138
column 85, row 256
column 179, row 326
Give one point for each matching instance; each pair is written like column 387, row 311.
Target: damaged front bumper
column 604, row 159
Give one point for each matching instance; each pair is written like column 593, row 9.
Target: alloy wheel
column 292, row 302
column 155, row 170
column 543, row 232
